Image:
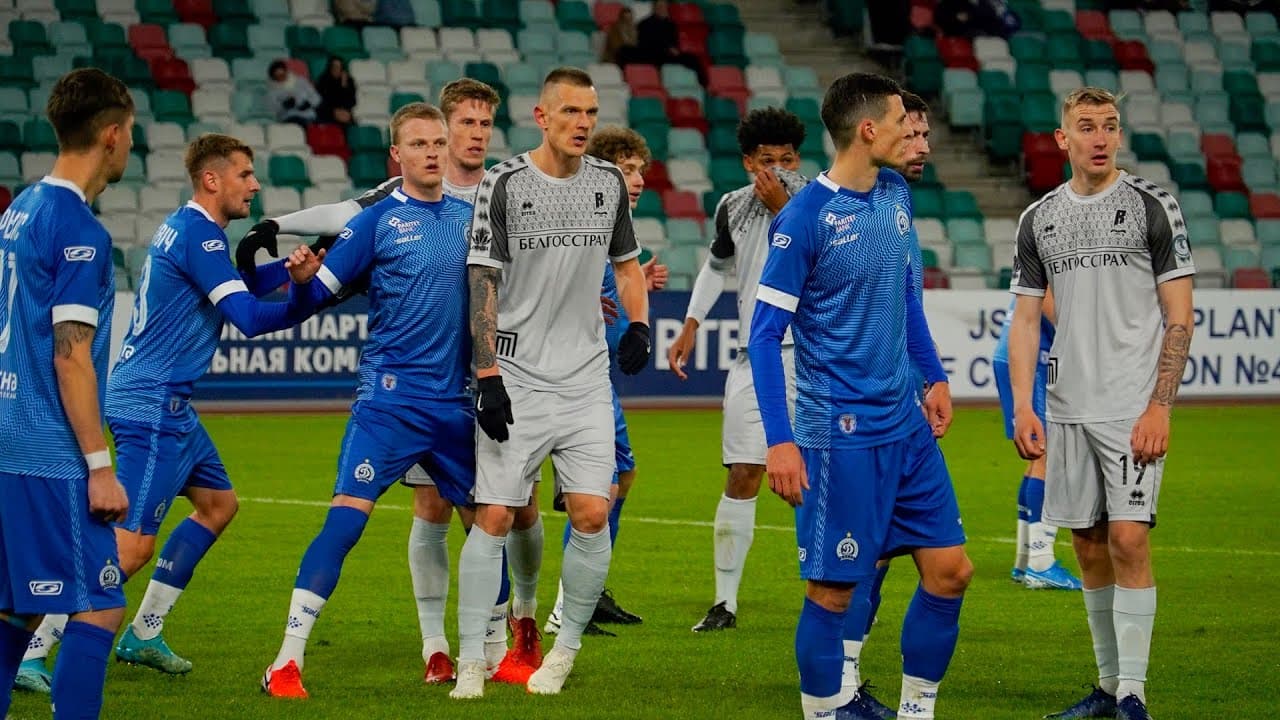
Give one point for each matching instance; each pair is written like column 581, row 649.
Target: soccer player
column 412, row 405
column 545, row 223
column 187, row 288
column 58, row 493
column 1034, row 563
column 1113, row 250
column 627, row 149
column 770, row 140
column 863, row 468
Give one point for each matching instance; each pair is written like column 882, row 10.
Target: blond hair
column 211, row 147
column 1088, row 95
column 414, row 111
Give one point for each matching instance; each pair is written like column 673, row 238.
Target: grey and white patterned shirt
column 1103, row 255
column 551, row 238
column 375, row 195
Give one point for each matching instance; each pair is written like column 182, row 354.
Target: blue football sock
column 615, row 515
column 1035, row 498
column 876, row 585
column 1023, row 506
column 322, row 563
column 13, row 645
column 568, row 529
column 186, row 545
column 819, row 650
column 929, row 633
column 860, row 615
column 80, row 672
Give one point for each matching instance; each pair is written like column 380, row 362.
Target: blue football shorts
column 1004, row 386
column 382, row 442
column 157, row 465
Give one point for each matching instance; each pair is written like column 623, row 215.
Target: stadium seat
column 965, row 231
column 682, row 204
column 961, row 204
column 1237, row 232
column 39, row 136
column 327, row 140
column 1265, row 206
column 381, row 43
column 288, row 171
column 686, row 113
column 173, row 74
column 171, row 106
column 1250, row 278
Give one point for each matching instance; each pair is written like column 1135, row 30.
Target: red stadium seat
column 1264, row 206
column 6, row 197
column 682, row 204
column 172, row 74
column 1093, row 25
column 643, row 78
column 1223, row 174
column 327, row 139
column 149, row 42
column 1251, row 279
column 1216, row 145
column 687, row 14
column 1040, row 144
column 921, row 19
column 655, row 177
column 693, row 40
column 957, row 52
column 726, row 80
column 606, row 13
column 1044, row 171
column 199, row 12
column 1132, row 55
column 298, row 67
column 936, row 279
column 687, row 113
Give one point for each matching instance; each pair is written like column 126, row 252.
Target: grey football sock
column 479, row 578
column 586, row 565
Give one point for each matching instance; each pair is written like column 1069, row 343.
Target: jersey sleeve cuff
column 625, row 256
column 229, row 287
column 1175, row 274
column 329, row 280
column 75, row 313
column 777, row 298
column 1032, row 292
column 485, row 261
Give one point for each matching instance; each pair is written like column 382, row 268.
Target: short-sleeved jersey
column 1103, row 255
column 741, row 243
column 414, row 254
column 838, row 260
column 551, row 237
column 176, row 324
column 55, row 266
column 1001, row 353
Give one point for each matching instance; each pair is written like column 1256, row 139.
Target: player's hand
column 1028, row 434
column 1149, row 440
column 633, row 348
column 303, row 264
column 787, row 477
column 263, row 235
column 937, row 408
column 107, row 498
column 493, row 408
column 680, row 351
column 609, row 309
column 770, row 191
column 655, row 275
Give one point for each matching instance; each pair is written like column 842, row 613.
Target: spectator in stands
column 354, row 12
column 292, row 98
column 396, row 13
column 337, row 93
column 1244, row 6
column 659, row 41
column 967, row 18
column 621, row 43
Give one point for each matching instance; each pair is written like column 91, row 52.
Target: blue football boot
column 1056, row 577
column 1098, row 704
column 33, row 677
column 153, row 653
column 1131, row 708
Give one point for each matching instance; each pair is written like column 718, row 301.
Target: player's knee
column 1128, row 545
column 744, row 481
column 219, row 511
column 1091, row 547
column 525, row 517
column 430, row 506
column 831, row 596
column 591, row 520
column 952, row 578
column 135, row 555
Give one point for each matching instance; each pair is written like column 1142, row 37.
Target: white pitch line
column 783, row 528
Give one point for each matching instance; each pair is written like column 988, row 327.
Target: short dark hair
column 913, row 103
column 852, row 99
column 210, row 147
column 82, row 103
column 276, row 65
column 614, row 144
column 770, row 126
column 572, row 76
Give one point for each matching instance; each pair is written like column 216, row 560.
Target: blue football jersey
column 176, row 324
column 613, row 333
column 55, row 266
column 1001, row 353
column 840, row 261
column 415, row 256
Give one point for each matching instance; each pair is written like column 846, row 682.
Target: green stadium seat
column 762, row 49
column 655, row 136
column 1259, row 174
column 288, row 171
column 366, row 139
column 1148, row 146
column 461, row 13
column 684, row 232
column 1252, row 144
column 1103, row 78
column 235, row 12
column 503, row 14
column 344, row 42
column 964, row 107
column 576, row 16
column 726, row 171
column 927, row 202
column 1027, row 47
column 646, row 110
column 305, row 42
column 1040, row 112
column 688, row 144
column 70, row 39
column 427, row 13
column 367, row 169
column 11, row 137
column 520, row 139
column 649, row 205
column 39, row 136
column 400, row 99
column 975, row 255
column 16, row 71
column 485, row 72
column 171, row 106
column 188, row 41
column 107, row 36
column 994, row 80
column 721, row 111
column 965, row 231
column 727, row 49
column 1184, row 147
column 158, row 12
column 1231, row 205
column 523, row 78
column 1064, row 53
column 845, row 16
column 29, row 38
column 1248, row 113
column 1234, row 258
column 10, row 171
column 1266, row 56
column 1057, row 22
column 1127, row 24
column 51, row 67
column 1189, row 176
column 960, row 204
column 1032, row 77
column 382, row 43
column 79, row 11
column 230, row 41
column 1005, row 278
column 723, row 17
column 930, row 257
column 723, row 141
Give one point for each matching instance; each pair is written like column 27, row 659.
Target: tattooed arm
column 1150, row 437
column 484, row 318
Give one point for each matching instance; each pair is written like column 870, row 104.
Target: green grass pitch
column 1021, row 653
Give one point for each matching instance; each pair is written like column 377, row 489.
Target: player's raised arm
column 706, row 290
column 320, row 278
column 1030, row 285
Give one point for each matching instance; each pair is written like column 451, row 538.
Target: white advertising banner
column 1235, row 350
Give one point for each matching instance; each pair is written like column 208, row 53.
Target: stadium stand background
column 1202, row 95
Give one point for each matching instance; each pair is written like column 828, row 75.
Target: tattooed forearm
column 68, row 334
column 1173, row 359
column 484, row 315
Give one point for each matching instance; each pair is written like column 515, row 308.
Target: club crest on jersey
column 781, row 241
column 848, row 423
column 79, row 253
column 109, row 577
column 903, row 221
column 388, row 382
column 804, row 554
column 1182, row 248
column 847, row 549
column 213, row 245
column 159, row 513
column 364, row 472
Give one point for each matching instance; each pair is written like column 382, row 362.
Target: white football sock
column 918, row 698
column 156, row 604
column 586, row 565
column 1097, row 603
column 558, row 610
column 1020, row 554
column 735, row 526
column 429, row 571
column 479, row 578
column 1040, row 539
column 304, row 609
column 1134, row 612
column 46, row 636
column 524, row 556
column 819, row 708
column 851, row 677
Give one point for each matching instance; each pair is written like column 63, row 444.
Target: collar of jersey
column 582, row 167
column 200, row 209
column 407, row 200
column 839, row 189
column 1098, row 195
column 65, row 185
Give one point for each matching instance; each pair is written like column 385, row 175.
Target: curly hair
column 614, row 144
column 770, row 126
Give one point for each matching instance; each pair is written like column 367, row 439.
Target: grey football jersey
column 741, row 244
column 1103, row 255
column 551, row 238
column 462, row 192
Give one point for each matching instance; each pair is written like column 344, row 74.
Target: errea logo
column 781, row 241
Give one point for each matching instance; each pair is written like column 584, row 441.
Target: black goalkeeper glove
column 262, row 235
column 633, row 348
column 493, row 408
